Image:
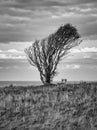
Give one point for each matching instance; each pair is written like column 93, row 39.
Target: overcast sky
column 23, row 21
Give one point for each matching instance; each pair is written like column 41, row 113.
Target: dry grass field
column 52, row 107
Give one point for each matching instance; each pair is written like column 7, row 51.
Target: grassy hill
column 52, row 107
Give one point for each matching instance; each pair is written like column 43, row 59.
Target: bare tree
column 47, row 53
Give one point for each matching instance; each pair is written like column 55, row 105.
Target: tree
column 47, row 53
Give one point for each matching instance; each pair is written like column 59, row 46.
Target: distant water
column 32, row 83
column 19, row 83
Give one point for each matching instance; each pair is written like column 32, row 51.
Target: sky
column 24, row 21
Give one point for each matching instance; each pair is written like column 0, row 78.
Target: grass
column 52, row 107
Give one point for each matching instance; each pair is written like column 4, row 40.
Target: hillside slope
column 55, row 107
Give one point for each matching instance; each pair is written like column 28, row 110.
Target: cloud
column 22, row 20
column 86, row 10
column 8, row 17
column 20, row 10
column 79, row 53
column 84, row 50
column 14, row 51
column 14, row 47
column 12, row 54
column 87, row 49
column 0, row 51
column 10, row 67
column 72, row 66
column 11, row 51
column 68, row 14
column 1, row 67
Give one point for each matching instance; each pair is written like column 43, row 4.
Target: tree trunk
column 42, row 79
column 48, row 78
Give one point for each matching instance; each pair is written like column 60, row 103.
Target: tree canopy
column 46, row 54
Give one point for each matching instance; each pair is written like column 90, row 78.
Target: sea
column 32, row 83
column 19, row 83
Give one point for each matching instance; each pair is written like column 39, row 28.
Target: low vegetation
column 53, row 107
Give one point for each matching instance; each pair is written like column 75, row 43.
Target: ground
column 51, row 107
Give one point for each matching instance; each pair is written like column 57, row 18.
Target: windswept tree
column 47, row 53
